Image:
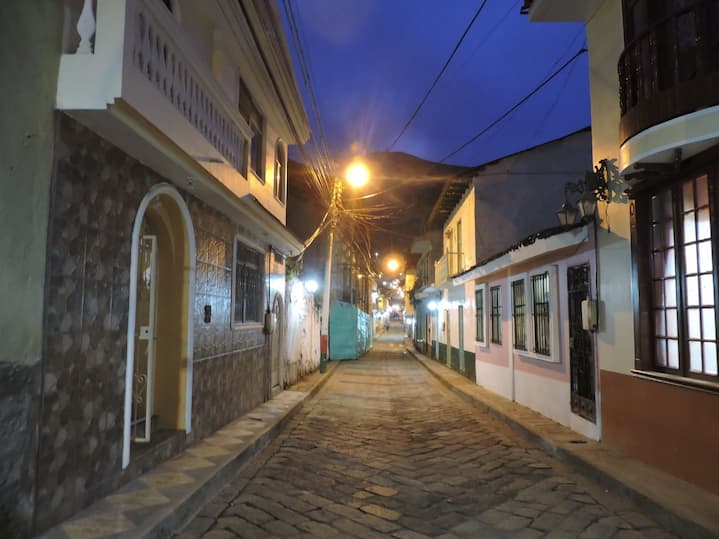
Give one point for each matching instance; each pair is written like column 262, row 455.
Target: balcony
column 132, row 75
column 668, row 69
column 446, row 267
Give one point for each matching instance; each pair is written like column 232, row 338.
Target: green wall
column 30, row 39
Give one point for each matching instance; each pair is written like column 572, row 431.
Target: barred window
column 519, row 309
column 496, row 314
column 247, row 285
column 540, row 309
column 479, row 302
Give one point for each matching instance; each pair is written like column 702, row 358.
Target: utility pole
column 335, row 207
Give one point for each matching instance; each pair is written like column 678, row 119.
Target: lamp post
column 357, row 175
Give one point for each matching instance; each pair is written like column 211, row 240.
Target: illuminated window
column 683, row 278
column 280, row 172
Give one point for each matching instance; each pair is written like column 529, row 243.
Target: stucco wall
column 31, row 37
column 464, row 213
column 539, row 384
column 616, row 336
column 302, row 353
column 518, row 195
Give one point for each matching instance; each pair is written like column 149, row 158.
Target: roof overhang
column 540, row 248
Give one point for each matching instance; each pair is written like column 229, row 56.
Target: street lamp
column 357, row 175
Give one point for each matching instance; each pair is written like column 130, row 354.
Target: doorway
column 581, row 346
column 158, row 391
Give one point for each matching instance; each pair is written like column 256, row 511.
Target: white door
column 144, row 360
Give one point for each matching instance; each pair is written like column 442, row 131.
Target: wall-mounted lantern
column 594, row 187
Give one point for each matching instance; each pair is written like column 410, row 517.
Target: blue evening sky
column 373, row 60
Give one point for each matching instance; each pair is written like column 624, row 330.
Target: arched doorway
column 158, row 391
column 276, row 344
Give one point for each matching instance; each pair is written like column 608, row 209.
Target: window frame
column 256, row 123
column 495, row 315
column 643, row 276
column 513, row 303
column 280, row 187
column 245, row 322
column 480, row 323
column 530, row 316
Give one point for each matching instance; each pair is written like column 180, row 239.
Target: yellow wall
column 465, row 213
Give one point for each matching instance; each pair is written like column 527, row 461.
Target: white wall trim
column 527, row 253
column 155, row 191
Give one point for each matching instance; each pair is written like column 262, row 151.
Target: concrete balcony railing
column 449, row 265
column 134, row 58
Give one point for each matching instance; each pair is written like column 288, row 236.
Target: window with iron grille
column 540, row 311
column 247, row 285
column 479, row 305
column 496, row 314
column 519, row 311
column 680, row 279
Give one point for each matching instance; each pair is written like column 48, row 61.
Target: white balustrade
column 157, row 58
column 86, row 28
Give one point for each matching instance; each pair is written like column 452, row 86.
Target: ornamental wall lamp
column 595, row 186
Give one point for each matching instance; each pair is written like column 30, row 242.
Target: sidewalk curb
column 682, row 525
column 183, row 513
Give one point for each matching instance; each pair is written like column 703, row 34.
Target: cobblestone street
column 384, row 450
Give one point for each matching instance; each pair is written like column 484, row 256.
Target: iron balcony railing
column 670, row 64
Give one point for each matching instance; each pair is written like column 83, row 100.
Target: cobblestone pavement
column 384, row 450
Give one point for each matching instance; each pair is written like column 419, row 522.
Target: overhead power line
column 516, row 105
column 439, row 76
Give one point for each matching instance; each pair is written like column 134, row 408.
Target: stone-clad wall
column 95, row 195
column 229, row 376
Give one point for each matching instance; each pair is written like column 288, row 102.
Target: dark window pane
column 479, row 301
column 496, row 314
column 540, row 298
column 518, row 314
column 247, row 285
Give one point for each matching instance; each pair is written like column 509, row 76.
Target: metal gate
column 581, row 346
column 144, row 357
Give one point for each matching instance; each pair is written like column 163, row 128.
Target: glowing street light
column 392, row 264
column 357, row 174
